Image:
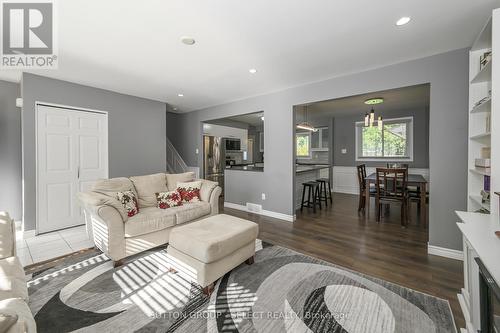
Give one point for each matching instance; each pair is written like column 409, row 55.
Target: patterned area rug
column 283, row 291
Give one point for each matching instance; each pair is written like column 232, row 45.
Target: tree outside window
column 393, row 141
column 303, row 144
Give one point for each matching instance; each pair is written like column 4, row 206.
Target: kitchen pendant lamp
column 305, row 125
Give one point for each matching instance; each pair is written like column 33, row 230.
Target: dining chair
column 391, row 189
column 362, row 187
column 413, row 191
column 398, row 165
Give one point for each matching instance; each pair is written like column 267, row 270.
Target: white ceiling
column 134, row 47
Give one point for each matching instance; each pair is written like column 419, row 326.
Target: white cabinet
column 320, row 139
column 469, row 295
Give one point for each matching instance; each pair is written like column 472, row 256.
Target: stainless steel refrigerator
column 214, row 159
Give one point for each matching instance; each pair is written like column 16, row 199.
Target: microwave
column 233, row 144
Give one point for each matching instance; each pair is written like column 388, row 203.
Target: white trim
column 62, row 106
column 68, row 107
column 360, row 124
column 29, row 234
column 281, row 216
column 445, row 252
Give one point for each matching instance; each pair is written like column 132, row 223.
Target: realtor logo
column 28, row 34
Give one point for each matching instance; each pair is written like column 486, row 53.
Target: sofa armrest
column 95, row 199
column 7, row 236
column 207, row 187
column 108, row 230
column 214, row 200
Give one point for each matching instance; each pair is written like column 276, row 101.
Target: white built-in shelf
column 478, row 200
column 479, row 230
column 484, row 74
column 481, row 136
column 482, row 172
column 483, row 41
column 483, row 107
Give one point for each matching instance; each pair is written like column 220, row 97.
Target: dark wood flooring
column 339, row 235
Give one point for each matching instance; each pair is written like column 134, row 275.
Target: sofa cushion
column 190, row 192
column 147, row 187
column 214, row 237
column 149, row 219
column 113, row 185
column 174, row 178
column 12, row 279
column 168, row 199
column 7, row 235
column 25, row 321
column 190, row 211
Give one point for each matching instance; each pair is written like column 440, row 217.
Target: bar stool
column 325, row 195
column 313, row 189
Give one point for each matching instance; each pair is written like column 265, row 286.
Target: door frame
column 68, row 107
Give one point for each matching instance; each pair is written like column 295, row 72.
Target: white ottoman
column 213, row 246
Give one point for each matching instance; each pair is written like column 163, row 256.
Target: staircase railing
column 175, row 163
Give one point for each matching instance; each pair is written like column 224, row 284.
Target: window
column 393, row 142
column 303, row 142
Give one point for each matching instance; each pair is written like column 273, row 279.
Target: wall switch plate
column 344, row 151
column 197, row 151
column 263, row 196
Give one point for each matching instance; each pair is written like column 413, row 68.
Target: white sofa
column 120, row 236
column 13, row 287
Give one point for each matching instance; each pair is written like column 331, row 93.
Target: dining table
column 413, row 180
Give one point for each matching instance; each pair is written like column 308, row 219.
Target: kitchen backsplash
column 318, row 157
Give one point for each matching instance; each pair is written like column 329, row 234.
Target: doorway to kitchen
column 342, row 147
column 233, row 144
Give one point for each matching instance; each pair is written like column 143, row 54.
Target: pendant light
column 305, row 125
column 379, row 123
column 370, row 117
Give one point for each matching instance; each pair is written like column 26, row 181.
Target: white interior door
column 72, row 152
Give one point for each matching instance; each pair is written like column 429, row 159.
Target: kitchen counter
column 312, row 167
column 307, row 173
column 245, row 168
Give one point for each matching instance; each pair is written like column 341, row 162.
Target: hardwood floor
column 339, row 235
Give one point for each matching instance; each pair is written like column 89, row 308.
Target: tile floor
column 47, row 246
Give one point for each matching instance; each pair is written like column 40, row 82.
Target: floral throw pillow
column 190, row 192
column 168, row 199
column 129, row 202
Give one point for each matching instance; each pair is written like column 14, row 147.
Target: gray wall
column 345, row 137
column 10, row 150
column 448, row 76
column 137, row 130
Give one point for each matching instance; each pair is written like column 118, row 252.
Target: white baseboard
column 444, row 252
column 29, row 234
column 281, row 216
column 23, row 234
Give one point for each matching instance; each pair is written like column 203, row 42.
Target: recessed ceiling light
column 262, row 118
column 175, row 109
column 404, row 20
column 373, row 101
column 187, row 40
column 252, row 70
column 180, row 95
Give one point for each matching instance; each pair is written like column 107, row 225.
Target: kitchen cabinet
column 320, row 139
